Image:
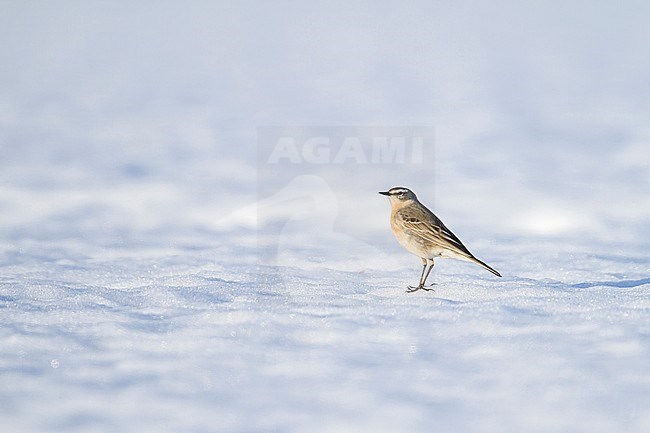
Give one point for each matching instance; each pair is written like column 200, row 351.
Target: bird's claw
column 411, row 289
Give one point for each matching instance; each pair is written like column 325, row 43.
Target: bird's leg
column 423, row 277
column 424, row 266
column 420, row 283
column 427, row 276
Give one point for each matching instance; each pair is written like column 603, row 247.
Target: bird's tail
column 485, row 266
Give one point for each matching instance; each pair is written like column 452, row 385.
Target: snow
column 159, row 273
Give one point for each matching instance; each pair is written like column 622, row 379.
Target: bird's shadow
column 620, row 284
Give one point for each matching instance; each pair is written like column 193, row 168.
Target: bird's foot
column 411, row 289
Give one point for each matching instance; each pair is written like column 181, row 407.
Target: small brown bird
column 422, row 233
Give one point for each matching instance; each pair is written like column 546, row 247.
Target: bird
column 422, row 233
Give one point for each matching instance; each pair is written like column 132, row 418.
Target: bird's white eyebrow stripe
column 397, row 191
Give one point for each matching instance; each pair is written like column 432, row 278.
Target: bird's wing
column 416, row 222
column 423, row 223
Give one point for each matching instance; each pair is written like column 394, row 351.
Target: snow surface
column 157, row 274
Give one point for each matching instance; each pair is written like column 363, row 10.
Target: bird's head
column 399, row 194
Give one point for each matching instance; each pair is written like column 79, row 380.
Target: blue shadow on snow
column 622, row 284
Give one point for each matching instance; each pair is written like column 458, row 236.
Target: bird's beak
column 384, row 193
